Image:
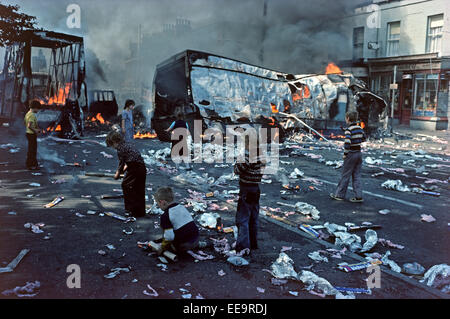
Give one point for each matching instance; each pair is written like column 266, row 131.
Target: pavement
column 72, row 236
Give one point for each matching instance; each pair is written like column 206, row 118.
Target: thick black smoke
column 294, row 36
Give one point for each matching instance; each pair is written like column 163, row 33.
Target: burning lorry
column 220, row 91
column 60, row 87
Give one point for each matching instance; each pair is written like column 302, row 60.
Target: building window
column 425, row 94
column 393, row 38
column 434, row 33
column 358, row 43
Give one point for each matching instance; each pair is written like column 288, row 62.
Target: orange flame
column 332, row 69
column 274, row 108
column 98, row 118
column 363, row 125
column 272, row 122
column 60, row 97
column 52, row 128
column 145, row 135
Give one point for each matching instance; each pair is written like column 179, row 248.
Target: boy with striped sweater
column 250, row 172
column 354, row 136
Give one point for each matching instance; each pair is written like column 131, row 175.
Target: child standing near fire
column 32, row 130
column 354, row 136
column 127, row 121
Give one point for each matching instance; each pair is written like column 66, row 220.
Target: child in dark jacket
column 354, row 136
column 179, row 229
column 132, row 164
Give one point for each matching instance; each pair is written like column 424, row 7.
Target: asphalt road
column 75, row 237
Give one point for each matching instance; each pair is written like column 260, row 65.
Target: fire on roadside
column 98, row 118
column 145, row 135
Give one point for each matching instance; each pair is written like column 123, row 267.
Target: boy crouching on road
column 354, row 136
column 180, row 231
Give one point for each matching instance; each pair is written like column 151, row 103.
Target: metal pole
column 393, row 93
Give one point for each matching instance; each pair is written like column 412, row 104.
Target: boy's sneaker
column 356, row 200
column 333, row 196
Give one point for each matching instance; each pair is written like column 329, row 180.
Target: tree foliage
column 13, row 23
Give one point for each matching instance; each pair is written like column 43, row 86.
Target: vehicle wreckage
column 220, row 91
column 61, row 90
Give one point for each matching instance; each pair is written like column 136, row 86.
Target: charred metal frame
column 66, row 74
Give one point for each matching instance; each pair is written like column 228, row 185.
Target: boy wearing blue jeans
column 250, row 172
column 354, row 136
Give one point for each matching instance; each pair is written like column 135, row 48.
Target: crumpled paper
column 371, row 240
column 283, row 267
column 336, row 164
column 427, row 218
column 386, row 261
column 372, row 161
column 312, row 281
column 307, row 209
column 395, row 185
column 208, row 220
column 413, row 268
column 438, row 277
column 315, row 255
column 296, row 174
column 344, row 239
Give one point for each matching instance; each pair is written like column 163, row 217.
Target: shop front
column 420, row 92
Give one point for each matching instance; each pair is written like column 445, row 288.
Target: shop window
column 434, row 33
column 393, row 38
column 425, row 94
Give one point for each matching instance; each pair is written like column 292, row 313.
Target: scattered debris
column 390, row 244
column 358, row 266
column 413, row 269
column 427, row 218
column 116, row 271
column 315, row 255
column 307, row 209
column 55, row 202
column 209, row 220
column 29, row 290
column 438, row 277
column 237, row 261
column 395, row 185
column 386, row 261
column 35, row 228
column 13, row 264
column 152, row 292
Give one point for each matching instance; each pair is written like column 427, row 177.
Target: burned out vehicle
column 103, row 102
column 61, row 90
column 221, row 91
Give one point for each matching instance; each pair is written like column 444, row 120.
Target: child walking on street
column 180, row 231
column 354, row 136
column 132, row 164
column 127, row 121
